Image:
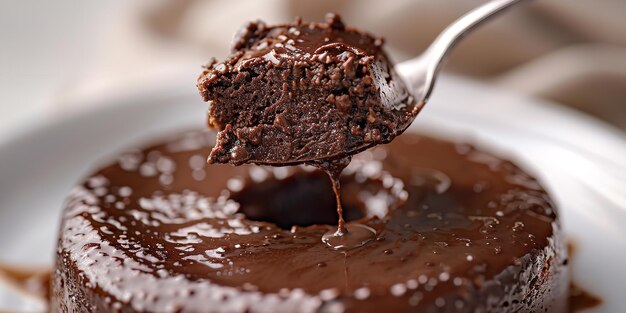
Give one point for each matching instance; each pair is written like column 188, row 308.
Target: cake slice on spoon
column 303, row 92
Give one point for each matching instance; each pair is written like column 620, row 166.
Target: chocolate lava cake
column 432, row 226
column 276, row 97
column 457, row 230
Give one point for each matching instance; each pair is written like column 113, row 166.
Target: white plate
column 581, row 161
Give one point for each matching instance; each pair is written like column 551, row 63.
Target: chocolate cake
column 304, row 91
column 456, row 230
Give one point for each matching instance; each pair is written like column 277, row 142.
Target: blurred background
column 58, row 56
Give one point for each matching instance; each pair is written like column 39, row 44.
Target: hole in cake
column 305, row 197
column 301, row 199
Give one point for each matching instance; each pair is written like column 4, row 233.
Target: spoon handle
column 429, row 63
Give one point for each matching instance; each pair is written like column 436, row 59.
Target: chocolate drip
column 345, row 237
column 333, row 169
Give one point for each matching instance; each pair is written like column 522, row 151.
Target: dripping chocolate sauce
column 350, row 236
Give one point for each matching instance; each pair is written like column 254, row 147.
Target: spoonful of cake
column 317, row 92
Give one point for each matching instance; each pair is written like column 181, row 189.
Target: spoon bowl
column 420, row 73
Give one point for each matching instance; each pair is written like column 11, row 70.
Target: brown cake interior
column 303, row 91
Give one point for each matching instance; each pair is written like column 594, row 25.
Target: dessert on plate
column 451, row 228
column 457, row 230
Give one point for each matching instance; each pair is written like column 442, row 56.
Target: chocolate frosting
column 457, row 230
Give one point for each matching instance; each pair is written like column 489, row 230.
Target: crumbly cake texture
column 303, row 91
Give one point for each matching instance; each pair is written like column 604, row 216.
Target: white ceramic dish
column 581, row 161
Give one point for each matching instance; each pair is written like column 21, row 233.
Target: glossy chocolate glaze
column 457, row 230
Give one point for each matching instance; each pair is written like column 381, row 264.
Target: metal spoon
column 420, row 73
